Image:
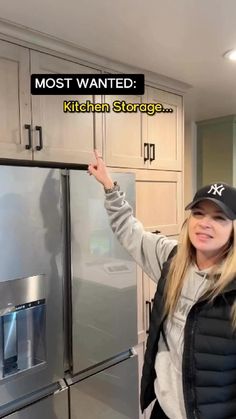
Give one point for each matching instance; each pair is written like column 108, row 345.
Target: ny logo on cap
column 216, row 189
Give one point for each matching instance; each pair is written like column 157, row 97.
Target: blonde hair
column 185, row 256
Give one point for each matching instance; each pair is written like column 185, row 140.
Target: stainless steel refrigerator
column 67, row 299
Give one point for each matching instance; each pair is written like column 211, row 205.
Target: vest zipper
column 187, row 368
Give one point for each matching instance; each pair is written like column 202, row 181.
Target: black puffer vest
column 209, row 357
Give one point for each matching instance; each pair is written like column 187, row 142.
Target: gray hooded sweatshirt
column 150, row 251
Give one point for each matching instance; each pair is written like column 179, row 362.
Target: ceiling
column 182, row 39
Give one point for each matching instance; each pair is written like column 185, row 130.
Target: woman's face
column 209, row 229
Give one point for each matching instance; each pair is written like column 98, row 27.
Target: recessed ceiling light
column 230, row 55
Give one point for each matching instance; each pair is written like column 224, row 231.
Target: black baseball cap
column 222, row 194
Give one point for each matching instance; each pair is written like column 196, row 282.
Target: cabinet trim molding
column 39, row 41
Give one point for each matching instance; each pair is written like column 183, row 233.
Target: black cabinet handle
column 148, row 315
column 29, row 145
column 146, row 152
column 40, row 146
column 156, row 232
column 152, row 152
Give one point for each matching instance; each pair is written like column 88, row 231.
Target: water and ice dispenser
column 22, row 324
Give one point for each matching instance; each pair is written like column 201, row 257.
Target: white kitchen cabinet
column 124, row 133
column 159, row 197
column 165, row 131
column 142, row 141
column 66, row 137
column 35, row 127
column 14, row 101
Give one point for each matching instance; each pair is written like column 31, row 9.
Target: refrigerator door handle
column 22, row 402
column 72, row 379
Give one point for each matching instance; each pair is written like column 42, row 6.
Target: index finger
column 97, row 156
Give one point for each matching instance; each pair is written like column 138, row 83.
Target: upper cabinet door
column 63, row 137
column 165, row 131
column 139, row 140
column 14, row 102
column 124, row 135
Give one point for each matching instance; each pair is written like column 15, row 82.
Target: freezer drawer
column 104, row 293
column 52, row 407
column 110, row 394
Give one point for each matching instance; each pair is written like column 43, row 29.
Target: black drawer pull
column 146, row 152
column 29, row 145
column 153, row 154
column 40, row 146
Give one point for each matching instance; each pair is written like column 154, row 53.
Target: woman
column 190, row 359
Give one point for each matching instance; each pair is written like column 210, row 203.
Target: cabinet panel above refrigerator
column 104, row 294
